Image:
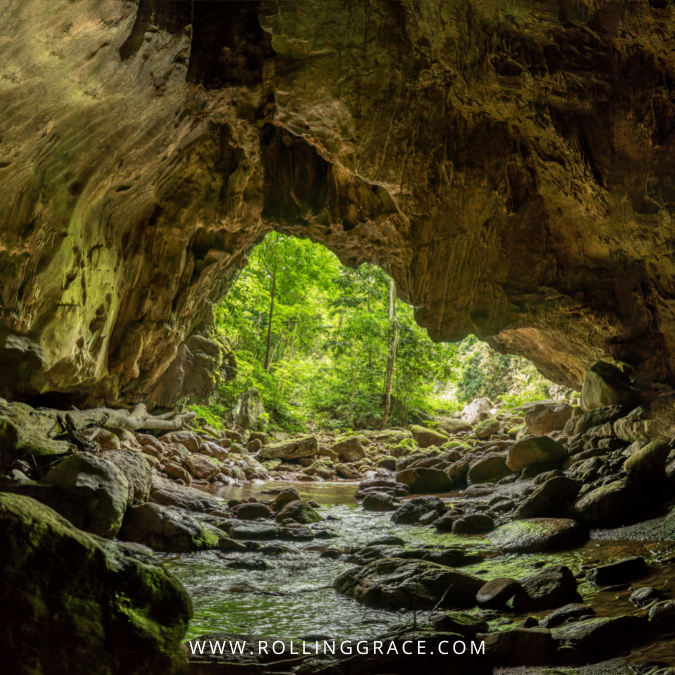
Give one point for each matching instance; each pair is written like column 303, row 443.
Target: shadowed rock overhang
column 510, row 165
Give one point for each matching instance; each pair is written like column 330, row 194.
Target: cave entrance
column 322, row 343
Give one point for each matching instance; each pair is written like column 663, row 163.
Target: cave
column 506, row 164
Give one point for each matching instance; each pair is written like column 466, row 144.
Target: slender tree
column 393, row 320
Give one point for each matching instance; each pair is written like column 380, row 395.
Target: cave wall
column 508, row 163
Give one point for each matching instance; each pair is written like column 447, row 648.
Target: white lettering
column 327, row 646
column 274, row 647
column 454, row 647
column 377, row 647
column 358, row 647
column 219, row 646
column 421, row 647
column 292, row 652
column 442, row 642
column 237, row 647
column 342, row 647
column 480, row 648
column 303, row 648
column 407, row 642
column 260, row 647
column 197, row 646
column 392, row 645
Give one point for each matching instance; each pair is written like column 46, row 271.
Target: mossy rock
column 300, row 512
column 74, row 603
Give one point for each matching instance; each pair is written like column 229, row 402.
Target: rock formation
column 509, row 164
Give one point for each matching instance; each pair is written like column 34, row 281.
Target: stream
column 294, row 599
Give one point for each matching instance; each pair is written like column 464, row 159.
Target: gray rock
column 533, row 451
column 645, row 596
column 488, row 469
column 539, row 534
column 460, row 623
column 300, row 511
column 542, row 419
column 137, row 472
column 349, row 449
column 254, row 531
column 413, row 509
column 549, row 500
column 395, row 584
column 380, row 501
column 252, row 511
column 496, row 593
column 518, row 647
column 293, row 448
column 618, row 572
column 613, row 504
column 475, row 523
column 605, row 385
column 422, row 481
column 550, row 588
column 575, row 610
column 167, row 493
column 248, row 410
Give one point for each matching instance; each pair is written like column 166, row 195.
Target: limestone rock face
column 248, row 410
column 503, row 167
column 103, row 594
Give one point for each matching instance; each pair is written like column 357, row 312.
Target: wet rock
column 662, row 614
column 562, row 614
column 496, row 593
column 649, row 461
column 618, row 572
column 539, row 534
column 633, row 428
column 381, row 485
column 164, row 529
column 550, row 588
column 477, row 410
column 487, row 469
column 413, row 509
column 136, row 470
column 300, row 512
column 69, row 600
column 293, row 448
column 349, row 449
column 252, row 511
column 549, row 500
column 177, row 472
column 283, row 497
column 201, row 467
column 605, row 385
column 518, row 647
column 601, row 638
column 228, row 545
column 533, row 451
column 251, row 565
column 91, row 492
column 424, row 481
column 387, row 463
column 169, row 494
column 296, row 533
column 428, row 518
column 542, row 419
column 390, row 540
column 380, row 501
column 461, row 623
column 615, row 503
column 319, row 468
column 458, row 472
column 395, row 583
column 486, row 428
column 428, row 437
column 645, row 596
column 444, row 523
column 254, row 531
column 473, row 524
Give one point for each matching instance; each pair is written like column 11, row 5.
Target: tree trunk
column 392, row 354
column 266, row 364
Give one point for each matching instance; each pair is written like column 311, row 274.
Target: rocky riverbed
column 544, row 534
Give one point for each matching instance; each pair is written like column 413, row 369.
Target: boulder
column 605, row 385
column 165, row 529
column 424, row 481
column 395, row 584
column 252, row 511
column 349, row 449
column 444, row 523
column 453, row 426
column 518, row 647
column 460, row 623
column 428, row 437
column 550, row 500
column 619, row 572
column 348, row 472
column 574, row 610
column 458, row 473
column 475, row 523
column 486, row 469
column 249, row 410
column 189, row 440
column 304, row 446
column 538, row 534
column 92, row 493
column 380, row 501
column 169, row 494
column 601, row 638
column 137, row 472
column 285, row 496
column 486, row 428
column 649, row 462
column 76, row 604
column 227, row 545
column 319, row 468
column 413, row 509
column 300, row 512
column 633, row 428
column 201, row 467
column 552, row 587
column 542, row 419
column 595, row 418
column 496, row 593
column 177, row 472
column 533, row 451
column 616, row 503
column 254, row 531
column 662, row 614
column 642, row 597
column 477, row 410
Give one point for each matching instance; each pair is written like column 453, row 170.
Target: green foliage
column 329, row 346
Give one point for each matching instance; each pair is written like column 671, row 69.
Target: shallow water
column 295, row 598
